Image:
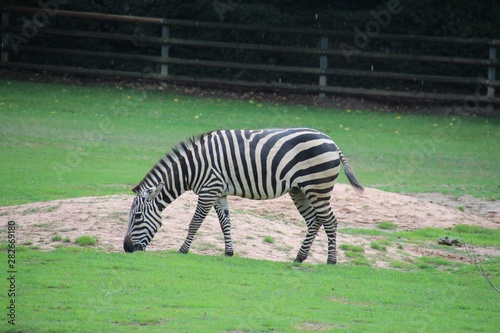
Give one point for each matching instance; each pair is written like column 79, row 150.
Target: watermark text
column 11, row 272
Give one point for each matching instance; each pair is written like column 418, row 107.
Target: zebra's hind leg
column 331, row 232
column 321, row 203
column 309, row 214
column 222, row 209
column 316, row 210
column 312, row 231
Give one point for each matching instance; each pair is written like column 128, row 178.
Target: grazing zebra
column 255, row 164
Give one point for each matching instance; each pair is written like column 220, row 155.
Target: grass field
column 83, row 290
column 65, row 141
column 61, row 141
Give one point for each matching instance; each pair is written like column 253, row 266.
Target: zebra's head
column 144, row 219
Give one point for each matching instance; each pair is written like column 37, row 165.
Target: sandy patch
column 252, row 221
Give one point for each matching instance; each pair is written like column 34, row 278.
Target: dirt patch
column 468, row 204
column 271, row 229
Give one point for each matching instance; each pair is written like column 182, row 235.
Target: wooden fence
column 331, row 47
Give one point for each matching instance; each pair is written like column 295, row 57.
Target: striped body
column 255, row 164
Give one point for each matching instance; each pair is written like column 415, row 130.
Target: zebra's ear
column 152, row 192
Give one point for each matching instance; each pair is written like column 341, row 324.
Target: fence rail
column 17, row 38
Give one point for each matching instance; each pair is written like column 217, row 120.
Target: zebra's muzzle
column 129, row 246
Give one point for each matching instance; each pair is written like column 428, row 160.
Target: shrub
column 56, row 238
column 85, row 240
column 354, row 255
column 352, row 248
column 269, row 239
column 378, row 246
column 386, row 225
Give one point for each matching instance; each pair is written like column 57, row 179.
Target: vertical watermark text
column 11, row 272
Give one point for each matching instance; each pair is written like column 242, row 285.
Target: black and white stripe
column 255, row 164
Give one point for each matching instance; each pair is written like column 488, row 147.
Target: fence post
column 491, row 75
column 165, row 34
column 5, row 37
column 323, row 65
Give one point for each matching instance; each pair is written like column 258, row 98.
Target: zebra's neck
column 178, row 170
column 172, row 171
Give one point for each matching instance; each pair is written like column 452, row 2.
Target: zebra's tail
column 350, row 174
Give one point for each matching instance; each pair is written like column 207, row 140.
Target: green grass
column 354, row 254
column 62, row 141
column 85, row 241
column 387, row 225
column 400, row 264
column 352, row 248
column 378, row 246
column 396, row 249
column 57, row 238
column 432, row 262
column 269, row 239
column 476, row 230
column 78, row 289
column 470, row 234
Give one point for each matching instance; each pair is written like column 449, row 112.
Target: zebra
column 256, row 164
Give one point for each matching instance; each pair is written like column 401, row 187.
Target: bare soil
column 271, row 229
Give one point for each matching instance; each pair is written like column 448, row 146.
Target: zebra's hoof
column 299, row 259
column 331, row 262
column 182, row 251
column 229, row 253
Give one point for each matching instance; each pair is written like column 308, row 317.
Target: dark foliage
column 454, row 18
column 458, row 18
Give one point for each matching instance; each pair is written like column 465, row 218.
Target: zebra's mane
column 167, row 159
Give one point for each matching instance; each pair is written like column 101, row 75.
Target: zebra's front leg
column 202, row 209
column 222, row 209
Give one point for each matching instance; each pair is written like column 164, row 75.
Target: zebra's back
column 264, row 164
